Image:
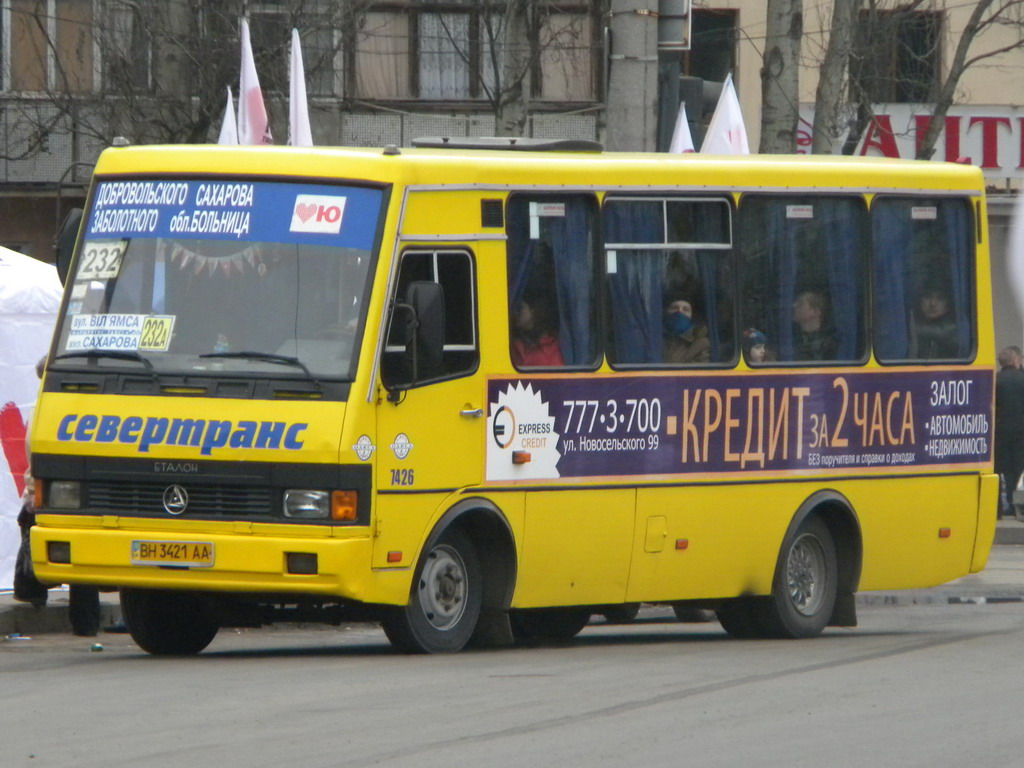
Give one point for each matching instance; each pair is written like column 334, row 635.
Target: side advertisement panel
column 576, row 427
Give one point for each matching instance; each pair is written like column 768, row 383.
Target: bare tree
column 851, row 78
column 986, row 14
column 832, row 77
column 165, row 66
column 779, row 76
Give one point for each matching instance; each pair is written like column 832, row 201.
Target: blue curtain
column 844, row 241
column 637, row 285
column 893, row 300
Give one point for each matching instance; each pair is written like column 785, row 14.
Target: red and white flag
column 299, row 134
column 682, row 141
column 726, row 134
column 253, row 127
column 228, row 129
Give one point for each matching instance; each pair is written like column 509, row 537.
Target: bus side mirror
column 65, row 242
column 424, row 333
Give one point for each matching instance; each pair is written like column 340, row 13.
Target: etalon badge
column 175, row 499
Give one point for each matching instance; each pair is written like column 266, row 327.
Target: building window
column 270, row 28
column 128, row 62
column 896, row 57
column 51, row 45
column 454, row 51
column 567, row 55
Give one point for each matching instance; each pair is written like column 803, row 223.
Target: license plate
column 192, row 554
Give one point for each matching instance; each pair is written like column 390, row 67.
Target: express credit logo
column 321, row 214
column 503, row 427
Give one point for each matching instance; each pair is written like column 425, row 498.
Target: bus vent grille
column 147, row 498
column 491, row 213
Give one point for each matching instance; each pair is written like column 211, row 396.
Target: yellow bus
column 481, row 390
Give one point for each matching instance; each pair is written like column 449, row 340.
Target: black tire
column 545, row 624
column 444, row 604
column 690, row 615
column 805, row 587
column 168, row 623
column 84, row 610
column 621, row 614
column 739, row 617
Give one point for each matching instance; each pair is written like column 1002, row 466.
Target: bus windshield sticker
column 156, row 333
column 924, row 213
column 108, row 332
column 101, row 259
column 799, row 211
column 710, row 425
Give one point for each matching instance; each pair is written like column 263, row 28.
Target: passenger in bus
column 754, row 346
column 934, row 330
column 812, row 339
column 535, row 335
column 686, row 337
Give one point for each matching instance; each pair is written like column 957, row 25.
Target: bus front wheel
column 806, row 583
column 445, row 601
column 166, row 623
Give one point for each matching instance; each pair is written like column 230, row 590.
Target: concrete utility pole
column 633, row 77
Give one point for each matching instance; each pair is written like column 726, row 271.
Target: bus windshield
column 232, row 278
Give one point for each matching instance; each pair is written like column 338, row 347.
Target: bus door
column 430, row 433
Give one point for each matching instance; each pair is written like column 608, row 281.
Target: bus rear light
column 58, row 552
column 945, row 533
column 345, row 506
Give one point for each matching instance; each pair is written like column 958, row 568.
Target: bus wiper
column 268, row 357
column 117, row 354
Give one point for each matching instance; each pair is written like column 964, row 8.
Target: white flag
column 726, row 134
column 299, row 134
column 253, row 127
column 681, row 139
column 228, row 129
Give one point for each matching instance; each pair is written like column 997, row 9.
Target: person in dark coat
column 1009, row 442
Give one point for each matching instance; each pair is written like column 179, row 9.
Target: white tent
column 30, row 294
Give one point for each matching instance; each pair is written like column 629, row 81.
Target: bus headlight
column 307, row 504
column 64, row 494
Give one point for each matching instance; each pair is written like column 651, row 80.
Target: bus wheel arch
column 824, row 537
column 470, row 550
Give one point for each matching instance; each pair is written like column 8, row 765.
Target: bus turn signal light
column 521, row 457
column 344, row 505
column 945, row 533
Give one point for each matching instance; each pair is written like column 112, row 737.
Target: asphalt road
column 913, row 685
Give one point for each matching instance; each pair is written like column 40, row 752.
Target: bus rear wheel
column 445, row 601
column 166, row 623
column 806, row 584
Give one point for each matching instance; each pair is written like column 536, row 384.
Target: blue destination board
column 236, row 210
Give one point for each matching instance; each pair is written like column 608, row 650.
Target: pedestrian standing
column 1009, row 442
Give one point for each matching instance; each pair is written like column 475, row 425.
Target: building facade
column 76, row 73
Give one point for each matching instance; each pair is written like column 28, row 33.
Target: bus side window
column 803, row 270
column 454, row 271
column 922, row 279
column 552, row 301
column 668, row 265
